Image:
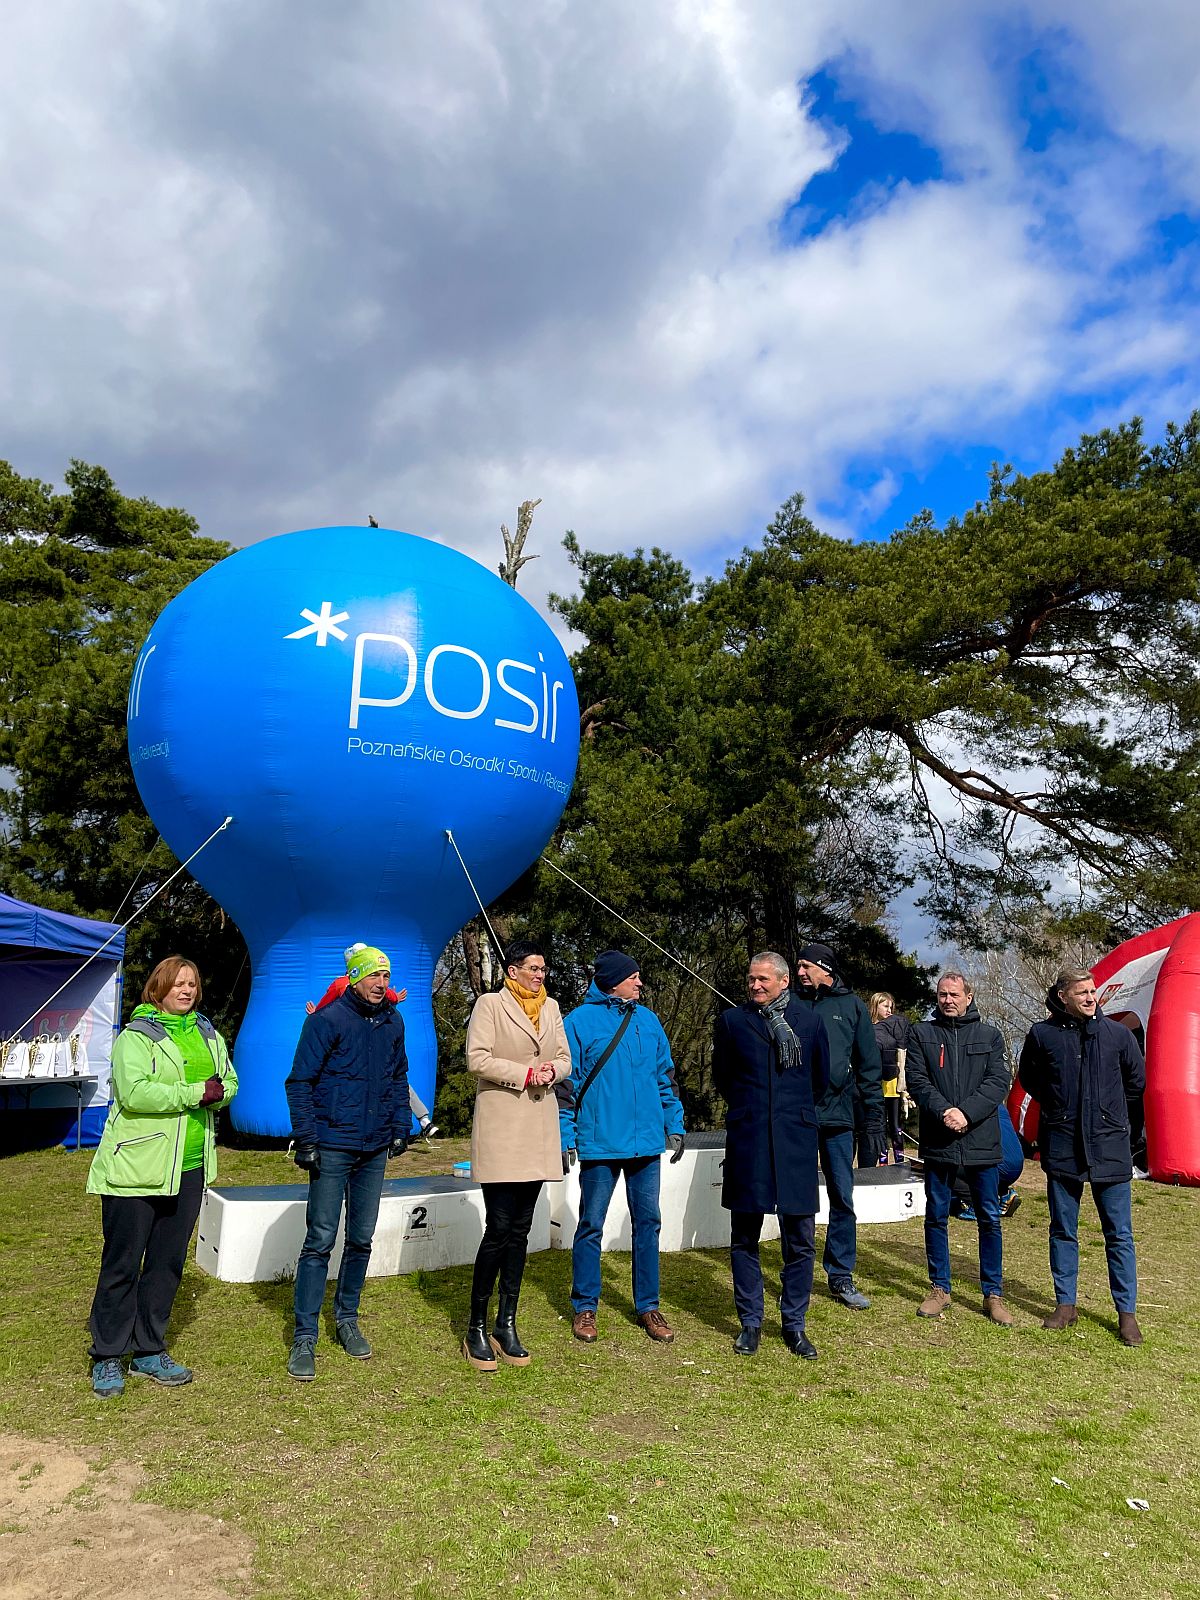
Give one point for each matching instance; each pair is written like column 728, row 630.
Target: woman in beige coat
column 518, row 1051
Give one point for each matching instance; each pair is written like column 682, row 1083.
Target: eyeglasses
column 537, row 972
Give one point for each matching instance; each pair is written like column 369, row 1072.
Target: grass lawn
column 913, row 1459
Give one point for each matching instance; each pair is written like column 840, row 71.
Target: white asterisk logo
column 322, row 625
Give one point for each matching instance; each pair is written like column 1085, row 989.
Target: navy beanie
column 821, row 956
column 612, row 967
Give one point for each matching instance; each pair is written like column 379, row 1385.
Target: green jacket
column 141, row 1149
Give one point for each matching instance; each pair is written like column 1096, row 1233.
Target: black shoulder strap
column 608, row 1050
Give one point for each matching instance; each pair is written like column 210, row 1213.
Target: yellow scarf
column 531, row 1003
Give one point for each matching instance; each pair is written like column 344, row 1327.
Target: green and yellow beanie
column 363, row 959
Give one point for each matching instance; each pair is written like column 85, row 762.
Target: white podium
column 254, row 1234
column 693, row 1217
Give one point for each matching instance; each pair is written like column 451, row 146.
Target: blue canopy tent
column 40, row 952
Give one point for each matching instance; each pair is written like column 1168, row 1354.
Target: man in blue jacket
column 618, row 1111
column 1084, row 1071
column 348, row 1097
column 771, row 1065
column 853, row 1098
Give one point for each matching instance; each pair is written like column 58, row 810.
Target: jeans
column 841, row 1237
column 597, row 1180
column 355, row 1176
column 985, row 1197
column 146, row 1241
column 1012, row 1160
column 798, row 1237
column 509, row 1209
column 1115, row 1204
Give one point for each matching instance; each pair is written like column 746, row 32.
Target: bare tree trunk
column 513, row 559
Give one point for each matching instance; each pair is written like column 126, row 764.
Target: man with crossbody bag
column 618, row 1111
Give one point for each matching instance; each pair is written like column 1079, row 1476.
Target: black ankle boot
column 475, row 1346
column 505, row 1342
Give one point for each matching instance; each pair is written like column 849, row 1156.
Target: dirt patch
column 69, row 1530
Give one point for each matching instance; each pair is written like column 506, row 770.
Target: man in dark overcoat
column 1086, row 1071
column 771, row 1064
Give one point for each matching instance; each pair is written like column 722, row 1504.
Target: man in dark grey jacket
column 957, row 1074
column 1084, row 1071
column 852, row 1097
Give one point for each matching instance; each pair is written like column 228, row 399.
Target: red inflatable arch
column 1152, row 985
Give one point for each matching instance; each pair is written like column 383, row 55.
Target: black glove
column 398, row 1146
column 675, row 1140
column 570, row 1157
column 871, row 1144
column 308, row 1158
column 214, row 1091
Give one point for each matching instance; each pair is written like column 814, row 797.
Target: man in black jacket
column 854, row 1097
column 958, row 1076
column 348, row 1097
column 1084, row 1071
column 770, row 1062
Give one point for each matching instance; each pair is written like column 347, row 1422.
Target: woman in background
column 891, row 1035
column 170, row 1071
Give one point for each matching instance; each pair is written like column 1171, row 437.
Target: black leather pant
column 509, row 1210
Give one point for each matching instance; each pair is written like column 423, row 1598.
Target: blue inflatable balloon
column 348, row 695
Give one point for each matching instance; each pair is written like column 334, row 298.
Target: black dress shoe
column 800, row 1344
column 746, row 1343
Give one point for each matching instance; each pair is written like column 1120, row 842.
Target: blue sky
column 661, row 265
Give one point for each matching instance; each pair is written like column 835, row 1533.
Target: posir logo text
column 502, row 688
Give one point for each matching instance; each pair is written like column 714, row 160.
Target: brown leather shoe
column 997, row 1310
column 657, row 1327
column 583, row 1326
column 1063, row 1316
column 934, row 1303
column 1127, row 1329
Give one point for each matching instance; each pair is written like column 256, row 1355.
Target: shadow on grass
column 902, row 1268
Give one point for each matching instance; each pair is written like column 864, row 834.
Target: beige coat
column 514, row 1135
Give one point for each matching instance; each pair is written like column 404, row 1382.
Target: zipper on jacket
column 142, row 1138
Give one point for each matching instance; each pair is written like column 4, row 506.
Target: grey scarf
column 790, row 1054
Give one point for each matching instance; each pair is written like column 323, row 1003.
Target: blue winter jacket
column 633, row 1103
column 348, row 1087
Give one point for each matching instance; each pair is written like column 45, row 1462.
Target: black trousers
column 509, row 1209
column 145, row 1246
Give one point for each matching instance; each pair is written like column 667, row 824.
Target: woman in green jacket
column 171, row 1069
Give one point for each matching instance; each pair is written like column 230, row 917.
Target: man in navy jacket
column 348, row 1097
column 771, row 1065
column 618, row 1121
column 1084, row 1071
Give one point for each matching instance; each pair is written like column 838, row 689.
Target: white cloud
column 292, row 265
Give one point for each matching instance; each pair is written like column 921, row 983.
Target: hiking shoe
column 1063, row 1316
column 302, row 1362
column 934, row 1303
column 583, row 1326
column 656, row 1327
column 108, row 1380
column 160, row 1369
column 1009, row 1201
column 352, row 1341
column 995, row 1308
column 843, row 1289
column 1127, row 1328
